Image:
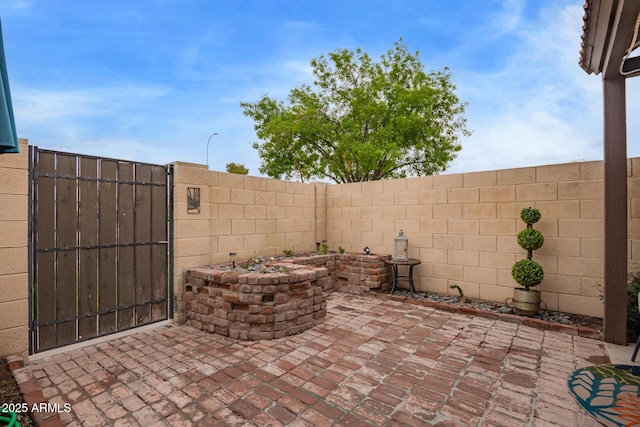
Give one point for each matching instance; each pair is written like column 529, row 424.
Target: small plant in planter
column 527, row 272
column 288, row 253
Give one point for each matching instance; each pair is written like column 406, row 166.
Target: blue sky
column 152, row 80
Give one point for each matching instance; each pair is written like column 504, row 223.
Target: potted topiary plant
column 527, row 272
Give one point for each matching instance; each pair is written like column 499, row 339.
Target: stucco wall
column 14, row 280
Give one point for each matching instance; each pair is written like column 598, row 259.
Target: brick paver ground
column 373, row 361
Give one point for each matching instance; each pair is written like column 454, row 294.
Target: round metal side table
column 411, row 262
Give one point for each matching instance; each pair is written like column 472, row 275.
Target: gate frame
column 32, row 249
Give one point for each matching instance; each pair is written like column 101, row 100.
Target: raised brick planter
column 358, row 274
column 256, row 306
column 351, row 273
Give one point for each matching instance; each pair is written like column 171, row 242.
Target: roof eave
column 608, row 26
column 596, row 34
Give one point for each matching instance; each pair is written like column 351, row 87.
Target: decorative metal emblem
column 193, row 200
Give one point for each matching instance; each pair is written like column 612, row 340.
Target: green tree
column 238, row 168
column 362, row 121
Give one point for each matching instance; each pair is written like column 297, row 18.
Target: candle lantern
column 401, row 247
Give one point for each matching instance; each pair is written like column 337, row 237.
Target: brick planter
column 257, row 306
column 358, row 274
column 351, row 273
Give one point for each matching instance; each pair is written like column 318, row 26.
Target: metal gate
column 99, row 247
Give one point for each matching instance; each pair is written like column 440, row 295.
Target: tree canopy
column 238, row 168
column 361, row 121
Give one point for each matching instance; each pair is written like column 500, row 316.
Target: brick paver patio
column 374, row 361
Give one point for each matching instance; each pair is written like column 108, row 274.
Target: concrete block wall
column 14, row 276
column 243, row 214
column 259, row 216
column 463, row 227
column 191, row 231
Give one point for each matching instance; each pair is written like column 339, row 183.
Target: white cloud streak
column 530, row 103
column 42, row 105
column 540, row 107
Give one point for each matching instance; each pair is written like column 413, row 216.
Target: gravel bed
column 548, row 315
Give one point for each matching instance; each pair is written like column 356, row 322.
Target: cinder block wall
column 260, row 216
column 14, row 280
column 463, row 227
column 191, row 231
column 243, row 214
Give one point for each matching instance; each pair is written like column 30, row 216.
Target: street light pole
column 208, row 141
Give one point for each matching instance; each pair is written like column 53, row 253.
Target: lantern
column 401, row 247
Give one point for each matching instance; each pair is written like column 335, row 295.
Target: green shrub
column 530, row 215
column 528, row 273
column 633, row 315
column 530, row 239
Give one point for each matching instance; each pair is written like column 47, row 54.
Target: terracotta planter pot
column 526, row 302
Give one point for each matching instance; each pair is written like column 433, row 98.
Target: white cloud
column 540, row 107
column 506, row 19
column 17, row 5
column 530, row 103
column 35, row 106
column 85, row 119
column 537, row 138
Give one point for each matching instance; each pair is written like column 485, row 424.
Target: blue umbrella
column 8, row 136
